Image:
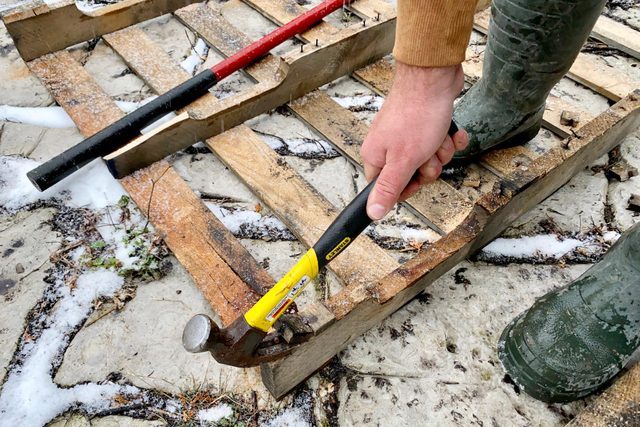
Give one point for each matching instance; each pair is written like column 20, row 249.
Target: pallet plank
column 61, row 25
column 357, row 313
column 619, row 405
column 607, row 81
column 179, row 218
column 618, row 35
column 302, row 208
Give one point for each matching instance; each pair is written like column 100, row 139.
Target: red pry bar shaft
column 259, row 48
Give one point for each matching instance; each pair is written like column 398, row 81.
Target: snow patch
column 360, row 102
column 29, row 396
column 50, row 117
column 545, row 245
column 291, row 417
column 92, row 186
column 215, row 413
column 250, row 224
column 198, row 55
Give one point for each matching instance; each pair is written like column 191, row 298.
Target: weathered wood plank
column 618, row 406
column 188, row 228
column 208, row 22
column 617, row 35
column 302, row 208
column 56, row 27
column 607, row 81
column 359, row 312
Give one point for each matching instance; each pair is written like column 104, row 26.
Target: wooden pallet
column 511, row 181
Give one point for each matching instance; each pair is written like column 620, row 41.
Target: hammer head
column 236, row 345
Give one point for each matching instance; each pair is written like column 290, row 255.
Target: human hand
column 407, row 144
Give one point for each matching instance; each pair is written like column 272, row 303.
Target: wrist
column 428, row 82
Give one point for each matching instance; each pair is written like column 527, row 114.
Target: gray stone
column 19, row 87
column 71, row 420
column 437, row 355
column 36, row 142
column 79, row 420
column 630, row 149
column 207, row 175
column 577, row 207
column 25, row 239
column 143, row 342
column 619, row 194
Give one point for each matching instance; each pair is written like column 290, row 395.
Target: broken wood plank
column 617, row 35
column 607, row 81
column 186, row 225
column 61, row 25
column 296, row 203
column 618, row 406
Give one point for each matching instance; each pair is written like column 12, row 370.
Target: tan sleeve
column 433, row 33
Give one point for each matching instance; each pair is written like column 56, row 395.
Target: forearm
column 433, row 33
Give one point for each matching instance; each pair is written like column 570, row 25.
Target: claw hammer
column 238, row 344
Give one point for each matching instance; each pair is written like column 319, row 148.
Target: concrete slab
column 435, row 361
column 19, row 87
column 588, row 194
column 143, row 342
column 25, row 245
column 36, row 142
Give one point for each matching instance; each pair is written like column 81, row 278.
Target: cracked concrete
column 25, row 244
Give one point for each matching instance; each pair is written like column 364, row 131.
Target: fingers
column 446, row 150
column 428, row 172
column 460, row 140
column 392, row 180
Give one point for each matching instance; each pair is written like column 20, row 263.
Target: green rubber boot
column 573, row 340
column 531, row 45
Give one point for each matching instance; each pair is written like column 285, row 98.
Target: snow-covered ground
column 98, row 333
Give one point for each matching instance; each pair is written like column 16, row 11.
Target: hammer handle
column 341, row 233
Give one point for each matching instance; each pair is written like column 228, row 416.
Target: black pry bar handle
column 115, row 135
column 350, row 223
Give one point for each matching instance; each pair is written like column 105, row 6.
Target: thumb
column 392, row 180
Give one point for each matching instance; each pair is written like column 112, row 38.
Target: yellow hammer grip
column 267, row 310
